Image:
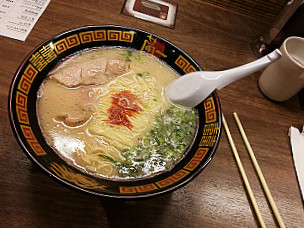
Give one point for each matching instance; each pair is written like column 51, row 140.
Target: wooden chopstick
column 243, row 174
column 259, row 172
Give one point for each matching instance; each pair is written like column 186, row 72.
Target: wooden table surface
column 217, row 40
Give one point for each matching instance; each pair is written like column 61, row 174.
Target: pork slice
column 70, row 76
column 116, row 67
column 96, row 71
column 84, row 115
column 93, row 72
column 80, row 104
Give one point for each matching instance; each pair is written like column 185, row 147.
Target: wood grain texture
column 217, row 40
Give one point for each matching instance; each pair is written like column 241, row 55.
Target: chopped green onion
column 146, row 73
column 162, row 146
column 143, row 74
column 138, row 58
column 107, row 158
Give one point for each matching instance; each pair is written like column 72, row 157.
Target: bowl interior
column 37, row 65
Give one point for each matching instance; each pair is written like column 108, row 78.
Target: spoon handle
column 228, row 76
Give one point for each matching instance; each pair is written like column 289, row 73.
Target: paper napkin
column 297, row 146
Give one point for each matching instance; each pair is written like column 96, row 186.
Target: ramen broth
column 105, row 111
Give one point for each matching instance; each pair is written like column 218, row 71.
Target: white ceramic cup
column 284, row 78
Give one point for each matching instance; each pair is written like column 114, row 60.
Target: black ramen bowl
column 36, row 66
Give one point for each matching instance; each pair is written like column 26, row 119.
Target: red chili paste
column 123, row 106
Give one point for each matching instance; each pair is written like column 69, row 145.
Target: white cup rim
column 288, row 53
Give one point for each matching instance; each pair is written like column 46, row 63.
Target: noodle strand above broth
column 105, row 111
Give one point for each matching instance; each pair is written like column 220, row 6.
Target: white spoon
column 191, row 89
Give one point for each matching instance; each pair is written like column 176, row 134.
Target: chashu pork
column 96, row 71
